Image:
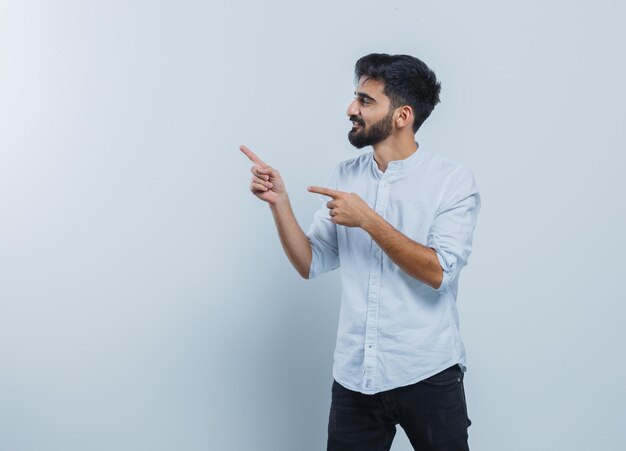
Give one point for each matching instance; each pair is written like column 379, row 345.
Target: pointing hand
column 347, row 209
column 266, row 183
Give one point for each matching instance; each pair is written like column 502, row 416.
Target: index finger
column 253, row 157
column 325, row 191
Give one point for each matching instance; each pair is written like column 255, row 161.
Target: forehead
column 371, row 86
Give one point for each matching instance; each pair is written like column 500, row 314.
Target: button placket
column 373, row 296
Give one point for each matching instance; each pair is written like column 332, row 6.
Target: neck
column 394, row 148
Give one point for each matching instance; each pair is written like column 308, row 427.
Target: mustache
column 358, row 120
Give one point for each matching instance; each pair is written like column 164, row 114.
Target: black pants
column 432, row 413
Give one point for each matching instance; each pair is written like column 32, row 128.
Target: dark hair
column 408, row 81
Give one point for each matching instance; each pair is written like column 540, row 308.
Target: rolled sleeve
column 453, row 227
column 323, row 238
column 322, row 235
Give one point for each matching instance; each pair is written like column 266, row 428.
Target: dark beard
column 376, row 133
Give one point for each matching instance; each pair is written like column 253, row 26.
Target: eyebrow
column 363, row 95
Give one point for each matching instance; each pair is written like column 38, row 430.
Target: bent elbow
column 305, row 272
column 438, row 282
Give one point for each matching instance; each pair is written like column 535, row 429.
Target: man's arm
column 348, row 209
column 413, row 258
column 267, row 185
column 293, row 239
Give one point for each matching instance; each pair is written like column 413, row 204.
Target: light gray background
column 145, row 302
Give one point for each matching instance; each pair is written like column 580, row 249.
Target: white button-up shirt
column 393, row 329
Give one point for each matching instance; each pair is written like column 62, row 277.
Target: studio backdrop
column 145, row 300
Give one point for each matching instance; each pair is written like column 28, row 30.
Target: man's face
column 369, row 112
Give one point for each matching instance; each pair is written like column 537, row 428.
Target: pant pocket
column 449, row 376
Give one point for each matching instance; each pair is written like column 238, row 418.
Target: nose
column 353, row 109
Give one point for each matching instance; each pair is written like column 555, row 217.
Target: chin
column 355, row 141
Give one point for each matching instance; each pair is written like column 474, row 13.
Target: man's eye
column 365, row 100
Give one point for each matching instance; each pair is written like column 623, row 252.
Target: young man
column 400, row 220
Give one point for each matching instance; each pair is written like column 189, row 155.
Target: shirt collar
column 399, row 165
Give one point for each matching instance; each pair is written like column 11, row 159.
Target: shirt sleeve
column 322, row 235
column 454, row 224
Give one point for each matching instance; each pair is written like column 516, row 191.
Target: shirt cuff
column 448, row 266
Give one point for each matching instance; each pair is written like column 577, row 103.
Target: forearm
column 415, row 259
column 293, row 239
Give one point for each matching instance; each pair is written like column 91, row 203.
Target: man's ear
column 405, row 116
